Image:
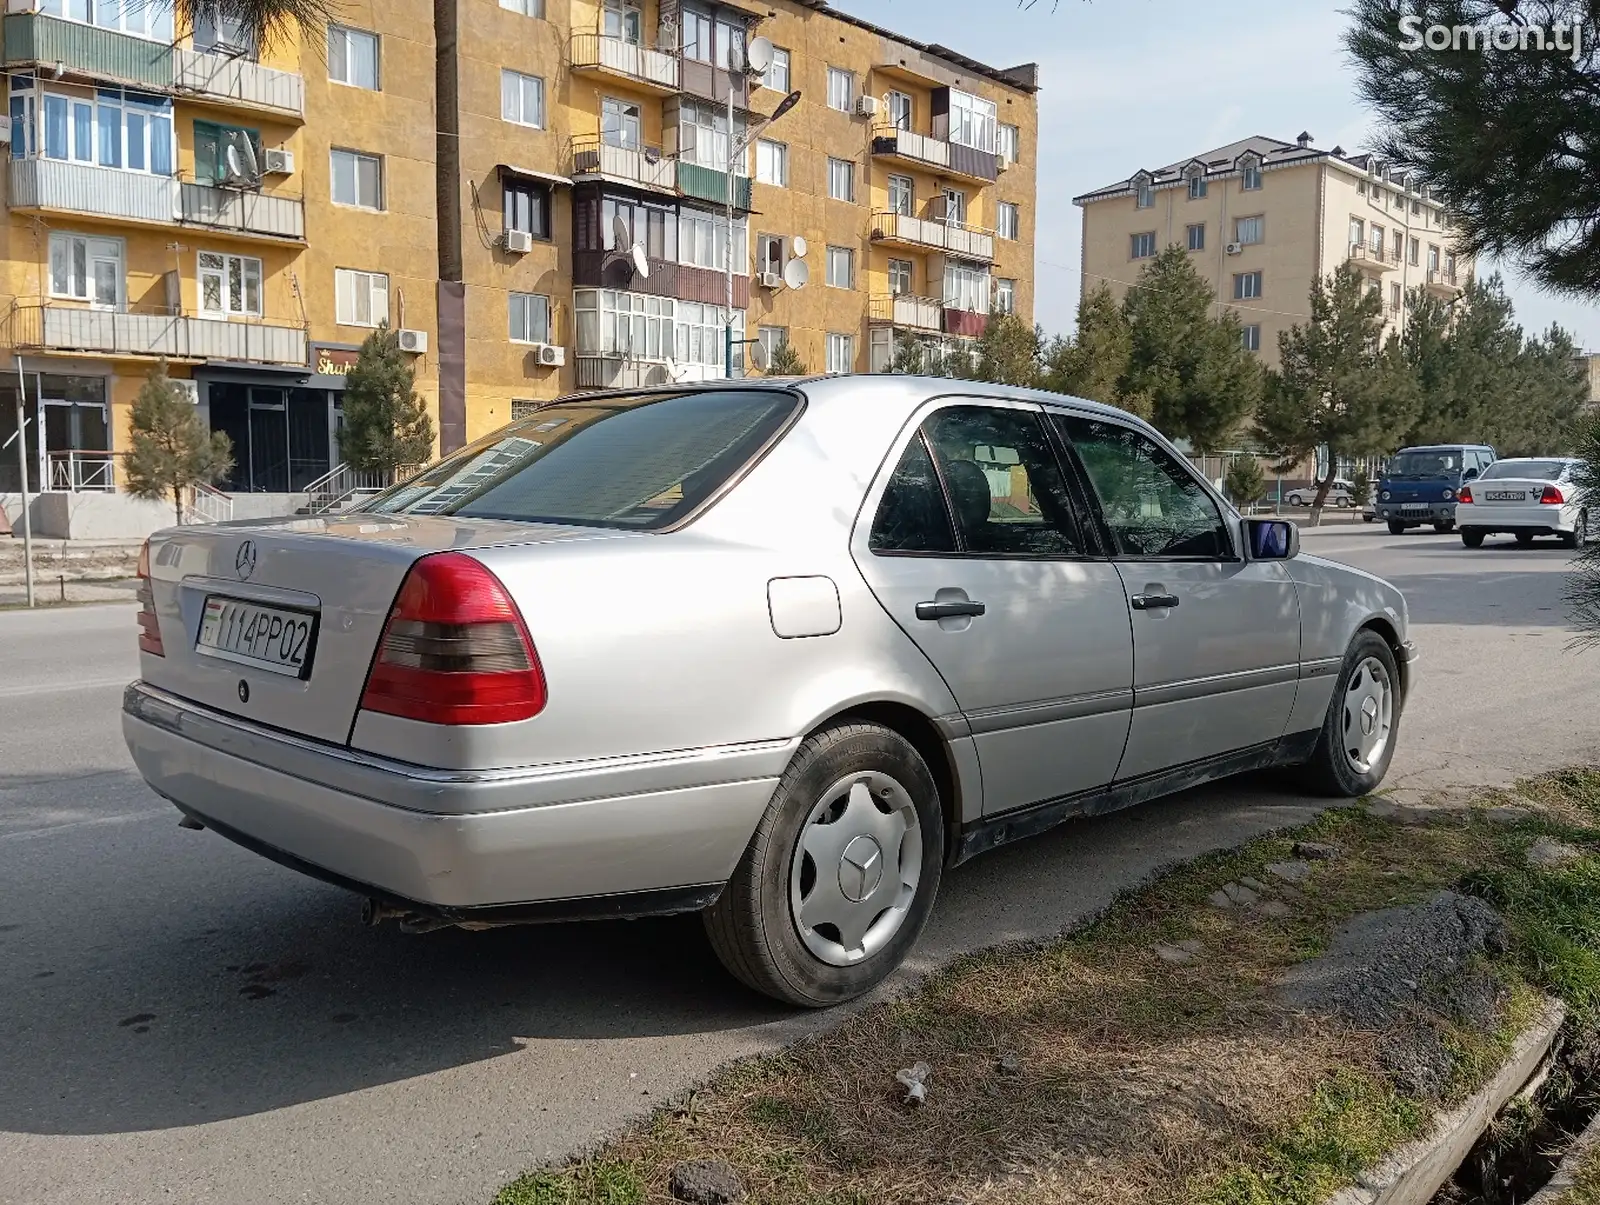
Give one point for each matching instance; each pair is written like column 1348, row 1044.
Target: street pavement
column 185, row 1022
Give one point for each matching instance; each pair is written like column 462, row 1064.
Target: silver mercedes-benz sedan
column 781, row 652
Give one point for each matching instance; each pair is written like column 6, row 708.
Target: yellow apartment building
column 1261, row 219
column 535, row 193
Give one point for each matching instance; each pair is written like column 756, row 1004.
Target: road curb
column 1566, row 1176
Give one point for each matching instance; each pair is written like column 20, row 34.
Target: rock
column 1316, row 851
column 1219, row 899
column 1400, row 813
column 1174, row 954
column 706, row 1182
column 1276, row 909
column 1290, row 872
column 1253, row 884
column 1239, row 894
column 1550, row 854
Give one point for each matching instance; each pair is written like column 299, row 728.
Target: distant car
column 1419, row 485
column 780, row 652
column 1525, row 497
column 1340, row 493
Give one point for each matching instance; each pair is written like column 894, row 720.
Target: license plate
column 1413, row 506
column 273, row 638
column 1505, row 496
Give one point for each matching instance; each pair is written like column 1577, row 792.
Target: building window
column 771, row 338
column 653, row 227
column 1144, row 196
column 1416, row 208
column 841, row 353
column 708, row 144
column 624, row 21
column 353, row 57
column 966, row 288
column 1433, row 258
column 901, row 111
column 1249, row 231
column 955, row 207
column 86, row 269
column 1197, row 237
column 777, row 73
column 620, row 124
column 1010, row 146
column 841, row 89
column 703, row 241
column 1250, row 336
column 699, row 336
column 1377, row 241
column 229, row 285
column 1394, row 297
column 1197, row 187
column 1246, row 286
column 530, row 318
column 1005, row 296
column 900, row 277
column 360, row 298
column 772, row 163
column 1358, row 233
column 357, row 179
column 130, row 131
column 841, row 268
column 1143, row 245
column 217, row 157
column 902, row 195
column 522, row 99
column 633, row 326
column 137, row 17
column 1009, row 220
column 1250, row 176
column 841, row 179
column 1414, row 252
column 973, row 121
column 528, row 8
column 769, row 254
column 525, row 206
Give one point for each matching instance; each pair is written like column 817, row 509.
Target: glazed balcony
column 906, row 312
column 708, row 184
column 891, row 229
column 653, row 70
column 934, row 154
column 643, row 167
column 68, row 328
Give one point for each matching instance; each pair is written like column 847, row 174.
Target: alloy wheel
column 1368, row 716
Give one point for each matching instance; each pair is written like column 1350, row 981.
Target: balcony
column 708, row 184
column 653, row 70
column 708, row 82
column 644, row 167
column 50, row 327
column 892, row 229
column 947, row 158
column 966, row 324
column 242, row 212
column 909, row 313
column 618, row 372
column 103, row 192
column 1441, row 282
column 238, row 82
column 1372, row 258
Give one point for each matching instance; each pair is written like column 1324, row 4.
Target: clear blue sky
column 1141, row 83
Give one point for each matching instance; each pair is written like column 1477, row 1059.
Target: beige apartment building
column 1261, row 219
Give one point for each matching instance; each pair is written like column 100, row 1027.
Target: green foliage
column 1090, row 365
column 169, row 448
column 1338, row 384
column 605, row 1182
column 386, row 423
column 1360, row 485
column 1583, row 586
column 786, row 361
column 1007, row 353
column 1187, row 371
column 1245, row 482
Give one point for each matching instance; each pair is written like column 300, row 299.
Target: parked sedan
column 1525, row 497
column 780, row 652
column 1340, row 493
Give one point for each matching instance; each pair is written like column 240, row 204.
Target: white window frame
column 222, row 270
column 703, row 241
column 710, row 143
column 966, row 288
column 1250, row 177
column 1008, row 220
column 847, row 257
column 1199, row 186
column 974, row 121
column 1137, row 243
column 356, row 159
column 530, row 304
column 841, row 89
column 622, row 120
column 528, row 8
column 902, row 195
column 902, row 277
column 521, row 82
column 778, row 73
column 1009, row 143
column 841, row 179
column 615, row 21
column 340, row 38
column 91, row 244
column 1144, row 195
column 772, row 162
column 1189, row 232
column 619, row 325
column 151, row 22
column 841, row 353
column 1250, row 336
column 1255, row 225
column 106, row 107
column 771, row 338
column 1248, row 286
column 901, row 110
column 349, row 284
column 1005, row 295
column 769, row 253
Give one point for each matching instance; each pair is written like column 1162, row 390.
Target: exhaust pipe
column 189, row 822
column 374, row 912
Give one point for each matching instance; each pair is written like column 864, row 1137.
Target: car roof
column 1445, row 448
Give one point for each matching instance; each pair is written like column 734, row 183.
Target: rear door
column 1216, row 639
column 976, row 550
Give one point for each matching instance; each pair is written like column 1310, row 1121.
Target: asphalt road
column 184, row 1022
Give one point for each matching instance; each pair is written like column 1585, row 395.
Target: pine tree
column 1090, row 365
column 1583, row 586
column 170, row 449
column 386, row 423
column 1008, row 352
column 1245, row 482
column 786, row 361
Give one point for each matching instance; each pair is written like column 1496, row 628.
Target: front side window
column 841, row 179
column 772, row 163
column 902, row 195
column 528, row 8
column 116, row 128
column 1246, row 286
column 1153, row 506
column 1249, row 230
column 1394, row 297
column 769, row 254
column 1250, row 175
column 776, row 76
column 1143, row 245
column 357, row 179
column 1197, row 187
column 230, row 285
column 525, row 206
column 841, row 89
column 699, row 36
column 1009, row 220
column 522, row 99
column 703, row 241
column 360, row 298
column 84, row 268
column 1358, row 233
column 841, row 353
column 530, row 318
column 353, row 57
column 955, row 207
column 633, row 326
column 771, row 338
column 219, row 152
column 704, row 134
column 841, row 268
column 1144, row 196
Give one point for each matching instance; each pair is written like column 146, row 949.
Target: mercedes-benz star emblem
column 244, row 691
column 244, row 561
column 860, row 869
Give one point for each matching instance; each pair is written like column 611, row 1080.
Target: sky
column 1126, row 84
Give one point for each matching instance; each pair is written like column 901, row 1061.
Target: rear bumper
column 540, row 843
column 1544, row 519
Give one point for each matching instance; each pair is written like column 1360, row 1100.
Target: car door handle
column 1153, row 602
column 948, row 610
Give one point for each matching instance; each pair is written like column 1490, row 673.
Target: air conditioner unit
column 277, row 161
column 867, row 106
column 550, row 355
column 1004, row 163
column 771, row 280
column 519, row 242
column 415, row 342
column 189, row 389
column 1235, row 248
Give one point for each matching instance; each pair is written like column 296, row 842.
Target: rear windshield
column 1539, row 470
column 639, row 462
column 1435, row 463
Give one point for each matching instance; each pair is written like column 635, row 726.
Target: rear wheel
column 1445, row 526
column 1523, row 537
column 1363, row 721
column 1396, row 529
column 1579, row 535
column 1472, row 537
column 841, row 874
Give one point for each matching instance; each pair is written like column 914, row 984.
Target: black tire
column 1579, row 535
column 1445, row 526
column 1396, row 529
column 1330, row 772
column 1472, row 537
column 1523, row 537
column 1369, row 518
column 752, row 926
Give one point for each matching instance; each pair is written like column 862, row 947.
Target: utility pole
column 22, row 465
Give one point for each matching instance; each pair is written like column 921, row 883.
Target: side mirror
column 1272, row 539
column 1470, row 474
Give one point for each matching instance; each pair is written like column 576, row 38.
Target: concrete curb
column 1416, row 1171
column 1566, row 1175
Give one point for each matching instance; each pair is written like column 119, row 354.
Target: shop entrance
column 280, row 435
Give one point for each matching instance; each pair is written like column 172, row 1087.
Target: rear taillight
column 1552, row 497
column 455, row 650
column 149, row 625
column 1465, row 495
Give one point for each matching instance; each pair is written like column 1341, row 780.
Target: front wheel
column 840, row 877
column 1472, row 537
column 1363, row 722
column 1396, row 529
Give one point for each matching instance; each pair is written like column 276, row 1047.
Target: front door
column 1216, row 639
column 269, row 440
column 977, row 552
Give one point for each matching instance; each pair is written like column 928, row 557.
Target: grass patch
column 1090, row 1070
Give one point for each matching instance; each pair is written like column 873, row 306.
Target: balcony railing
column 911, row 313
column 100, row 191
column 655, row 69
column 926, row 151
column 1364, row 255
column 248, row 83
column 243, row 212
column 957, row 238
column 637, row 165
column 618, row 372
column 73, row 470
column 1442, row 278
column 178, row 336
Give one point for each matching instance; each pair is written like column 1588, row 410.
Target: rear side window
column 634, row 462
column 912, row 515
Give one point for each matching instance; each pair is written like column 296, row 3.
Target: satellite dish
column 759, row 56
column 641, row 262
column 796, row 274
column 798, row 245
column 759, row 357
column 235, row 165
column 675, row 371
column 621, row 236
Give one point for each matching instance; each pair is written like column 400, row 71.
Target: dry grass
column 1089, row 1070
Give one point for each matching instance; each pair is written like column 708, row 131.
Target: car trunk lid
column 1508, row 491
